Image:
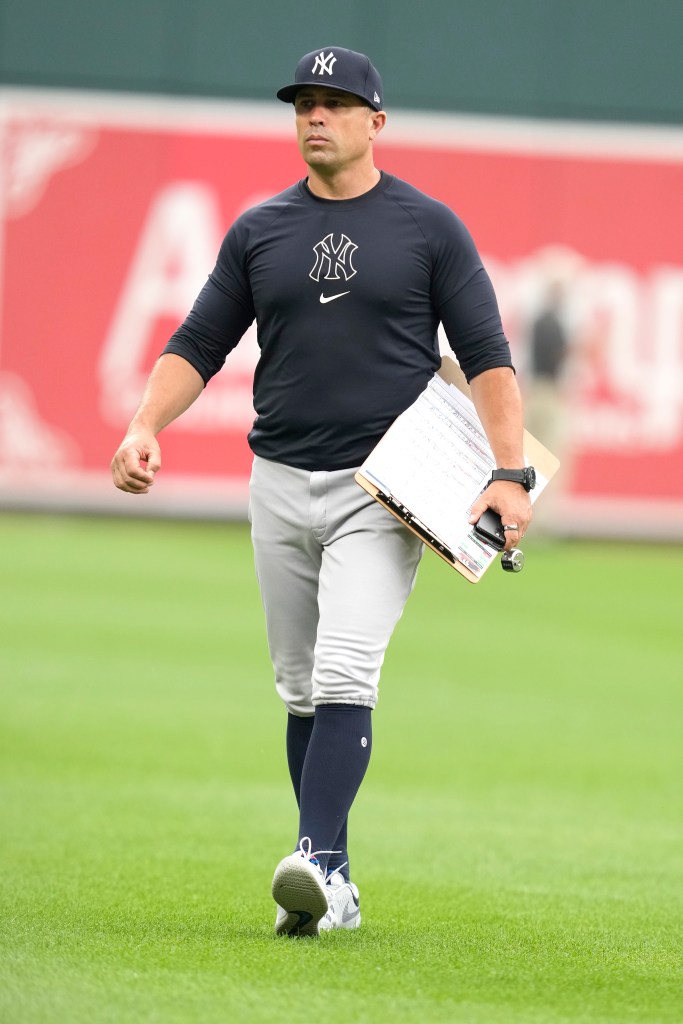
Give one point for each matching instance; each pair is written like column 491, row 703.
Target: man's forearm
column 173, row 386
column 498, row 402
column 499, row 405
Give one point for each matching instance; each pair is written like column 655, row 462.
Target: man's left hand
column 513, row 505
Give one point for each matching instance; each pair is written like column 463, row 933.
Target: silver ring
column 511, row 526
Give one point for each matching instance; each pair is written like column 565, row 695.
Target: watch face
column 530, row 478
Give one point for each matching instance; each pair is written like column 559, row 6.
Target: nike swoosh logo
column 349, row 916
column 331, row 298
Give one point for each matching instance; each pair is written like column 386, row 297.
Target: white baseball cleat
column 300, row 892
column 343, row 904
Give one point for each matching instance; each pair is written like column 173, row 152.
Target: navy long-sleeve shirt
column 347, row 297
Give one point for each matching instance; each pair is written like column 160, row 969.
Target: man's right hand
column 173, row 386
column 136, row 462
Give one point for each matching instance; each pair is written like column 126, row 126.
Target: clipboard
column 459, row 557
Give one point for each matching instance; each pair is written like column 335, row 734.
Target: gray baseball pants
column 335, row 571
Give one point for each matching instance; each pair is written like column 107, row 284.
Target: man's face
column 334, row 128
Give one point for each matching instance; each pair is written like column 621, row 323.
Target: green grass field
column 517, row 841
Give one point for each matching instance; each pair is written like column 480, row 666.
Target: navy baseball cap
column 337, row 68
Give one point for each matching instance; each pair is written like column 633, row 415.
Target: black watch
column 526, row 477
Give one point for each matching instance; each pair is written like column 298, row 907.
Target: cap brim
column 288, row 93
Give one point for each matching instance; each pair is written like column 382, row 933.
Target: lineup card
column 435, row 460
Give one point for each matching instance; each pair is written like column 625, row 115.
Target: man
column 549, row 351
column 348, row 274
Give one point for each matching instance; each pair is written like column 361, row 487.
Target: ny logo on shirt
column 334, row 258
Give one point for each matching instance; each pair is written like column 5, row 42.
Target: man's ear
column 377, row 122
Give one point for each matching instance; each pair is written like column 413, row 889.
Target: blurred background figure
column 552, row 351
column 549, row 342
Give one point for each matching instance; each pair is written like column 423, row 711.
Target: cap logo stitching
column 325, row 63
column 376, row 98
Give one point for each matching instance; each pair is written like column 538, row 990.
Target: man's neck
column 347, row 184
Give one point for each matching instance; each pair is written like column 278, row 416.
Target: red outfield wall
column 112, row 210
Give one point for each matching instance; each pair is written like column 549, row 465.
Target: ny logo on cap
column 324, row 63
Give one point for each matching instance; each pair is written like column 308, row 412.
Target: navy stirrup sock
column 336, row 761
column 299, row 731
column 339, row 860
column 298, row 735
